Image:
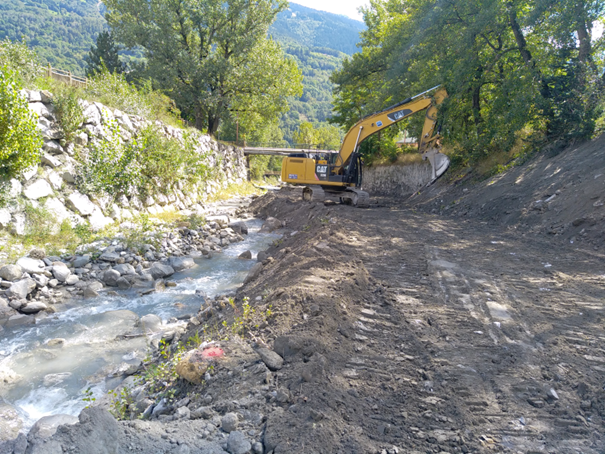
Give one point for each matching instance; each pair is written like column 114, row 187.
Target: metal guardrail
column 65, row 76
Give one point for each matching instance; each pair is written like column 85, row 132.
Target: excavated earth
column 468, row 318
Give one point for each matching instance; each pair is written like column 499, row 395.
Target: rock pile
column 30, row 288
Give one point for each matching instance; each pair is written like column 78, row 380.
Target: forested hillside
column 62, row 32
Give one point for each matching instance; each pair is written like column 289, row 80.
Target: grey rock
column 20, row 320
column 123, row 283
column 181, row 263
column 10, row 422
column 270, row 225
column 257, row 448
column 253, row 273
column 239, row 227
column 46, row 426
column 80, row 203
column 34, row 307
column 60, row 271
column 11, row 272
column 150, row 322
column 125, row 269
column 111, row 277
column 109, row 256
column 237, row 443
column 246, row 255
column 30, row 265
column 229, row 422
column 81, row 261
column 97, row 432
column 41, row 280
column 162, row 408
column 202, row 412
column 183, row 413
column 55, row 379
column 38, row 189
column 271, row 359
column 37, row 253
column 159, row 270
column 261, row 256
column 20, row 289
column 53, row 283
column 72, row 279
column 50, row 160
column 5, row 311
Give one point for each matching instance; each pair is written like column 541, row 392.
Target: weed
column 88, row 396
column 120, row 407
column 235, row 190
column 194, row 341
column 69, row 111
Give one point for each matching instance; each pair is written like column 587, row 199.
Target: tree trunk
column 213, row 124
column 199, row 118
column 585, row 49
column 519, row 38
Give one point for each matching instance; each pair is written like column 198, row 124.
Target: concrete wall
column 396, row 180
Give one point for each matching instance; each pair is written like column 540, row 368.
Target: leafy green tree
column 324, row 137
column 211, row 56
column 523, row 69
column 20, row 60
column 105, row 54
column 20, row 139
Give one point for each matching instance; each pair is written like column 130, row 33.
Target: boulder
column 20, row 320
column 30, row 265
column 41, row 280
column 98, row 221
column 253, row 273
column 97, row 432
column 20, row 289
column 37, row 253
column 57, row 209
column 60, row 271
column 81, row 261
column 181, row 263
column 150, row 323
column 229, row 422
column 192, row 367
column 50, row 160
column 15, row 189
column 81, row 204
column 125, row 269
column 239, row 227
column 123, row 283
column 111, row 277
column 34, row 307
column 5, row 217
column 38, row 189
column 54, row 179
column 6, row 311
column 10, row 422
column 237, row 443
column 109, row 256
column 72, row 279
column 46, row 426
column 11, row 272
column 246, row 255
column 271, row 359
column 270, row 225
column 159, row 270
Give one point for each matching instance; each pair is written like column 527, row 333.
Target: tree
column 104, row 55
column 211, row 56
column 513, row 68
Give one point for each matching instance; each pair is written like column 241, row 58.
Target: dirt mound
column 562, row 195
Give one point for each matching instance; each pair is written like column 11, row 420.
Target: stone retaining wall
column 51, row 184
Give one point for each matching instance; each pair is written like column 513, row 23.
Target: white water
column 54, row 378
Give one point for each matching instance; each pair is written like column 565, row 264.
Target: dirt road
column 430, row 334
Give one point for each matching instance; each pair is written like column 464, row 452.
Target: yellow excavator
column 339, row 175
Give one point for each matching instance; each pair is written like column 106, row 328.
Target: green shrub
column 146, row 165
column 20, row 139
column 21, row 60
column 113, row 90
column 69, row 111
column 109, row 166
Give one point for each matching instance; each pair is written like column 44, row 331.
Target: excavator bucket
column 439, row 162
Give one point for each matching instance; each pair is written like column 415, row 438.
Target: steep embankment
column 52, row 185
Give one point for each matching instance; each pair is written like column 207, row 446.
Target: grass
column 235, row 190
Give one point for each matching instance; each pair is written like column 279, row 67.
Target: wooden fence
column 66, row 77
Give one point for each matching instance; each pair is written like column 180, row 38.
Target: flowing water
column 55, row 377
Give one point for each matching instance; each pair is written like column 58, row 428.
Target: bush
column 146, row 165
column 69, row 111
column 113, row 90
column 20, row 139
column 19, row 59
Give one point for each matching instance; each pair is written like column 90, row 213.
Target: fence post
column 70, row 79
column 50, row 71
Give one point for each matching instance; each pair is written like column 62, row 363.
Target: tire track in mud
column 481, row 346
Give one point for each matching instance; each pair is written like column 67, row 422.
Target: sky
column 344, row 7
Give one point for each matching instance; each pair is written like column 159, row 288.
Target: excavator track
column 314, row 193
column 357, row 197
